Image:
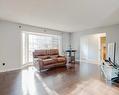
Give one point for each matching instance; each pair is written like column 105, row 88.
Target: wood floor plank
column 83, row 79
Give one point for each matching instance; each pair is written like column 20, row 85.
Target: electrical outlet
column 3, row 64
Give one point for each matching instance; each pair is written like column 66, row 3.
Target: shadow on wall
column 112, row 19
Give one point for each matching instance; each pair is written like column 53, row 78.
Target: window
column 36, row 41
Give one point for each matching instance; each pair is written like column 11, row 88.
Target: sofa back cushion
column 48, row 52
column 38, row 53
column 54, row 52
column 44, row 54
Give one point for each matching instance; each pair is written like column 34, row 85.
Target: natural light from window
column 36, row 41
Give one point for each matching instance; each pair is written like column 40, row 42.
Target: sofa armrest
column 63, row 57
column 38, row 63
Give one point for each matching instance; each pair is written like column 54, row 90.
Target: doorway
column 103, row 48
column 93, row 48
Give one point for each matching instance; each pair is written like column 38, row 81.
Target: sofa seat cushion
column 43, row 57
column 53, row 56
column 49, row 61
column 61, row 59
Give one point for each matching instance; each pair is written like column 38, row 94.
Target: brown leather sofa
column 45, row 59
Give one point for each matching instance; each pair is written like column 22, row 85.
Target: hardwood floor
column 84, row 79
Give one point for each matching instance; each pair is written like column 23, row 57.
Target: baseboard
column 90, row 61
column 77, row 60
column 14, row 69
column 8, row 70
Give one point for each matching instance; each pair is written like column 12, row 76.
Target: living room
column 54, row 47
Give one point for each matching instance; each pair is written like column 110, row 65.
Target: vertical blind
column 39, row 41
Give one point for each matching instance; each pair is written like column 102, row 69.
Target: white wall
column 84, row 48
column 10, row 43
column 112, row 33
column 93, row 47
column 90, row 48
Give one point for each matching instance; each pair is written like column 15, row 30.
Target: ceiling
column 64, row 15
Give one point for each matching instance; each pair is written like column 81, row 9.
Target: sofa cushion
column 48, row 52
column 40, row 52
column 61, row 59
column 53, row 56
column 49, row 61
column 43, row 57
column 54, row 52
